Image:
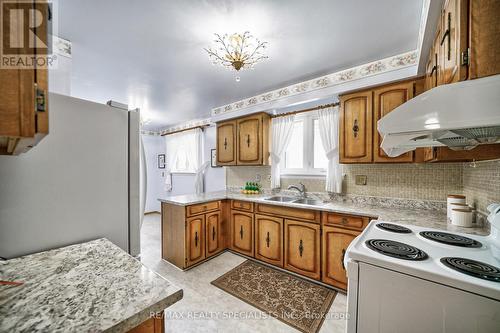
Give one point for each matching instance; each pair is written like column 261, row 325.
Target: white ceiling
column 150, row 54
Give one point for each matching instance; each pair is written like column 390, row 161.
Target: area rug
column 295, row 301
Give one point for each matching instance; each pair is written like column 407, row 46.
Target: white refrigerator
column 81, row 182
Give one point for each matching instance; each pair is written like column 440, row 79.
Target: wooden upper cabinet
column 484, row 36
column 387, row 99
column 302, row 248
column 269, row 239
column 334, row 246
column 226, row 143
column 195, row 239
column 213, row 234
column 23, row 96
column 242, row 231
column 453, row 43
column 356, row 123
column 244, row 141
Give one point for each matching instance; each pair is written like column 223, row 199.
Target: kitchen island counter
column 89, row 287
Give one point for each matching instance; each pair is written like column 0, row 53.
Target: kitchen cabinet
column 386, row 99
column 445, row 154
column 269, row 239
column 302, row 248
column 24, row 108
column 242, row 232
column 193, row 233
column 152, row 325
column 195, row 239
column 213, row 234
column 244, row 141
column 226, row 143
column 356, row 123
column 334, row 246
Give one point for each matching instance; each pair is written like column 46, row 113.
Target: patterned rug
column 295, row 301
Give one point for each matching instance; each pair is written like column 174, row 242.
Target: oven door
column 352, row 293
column 389, row 301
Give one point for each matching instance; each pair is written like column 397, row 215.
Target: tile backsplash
column 433, row 181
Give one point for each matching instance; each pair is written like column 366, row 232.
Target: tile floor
column 206, row 308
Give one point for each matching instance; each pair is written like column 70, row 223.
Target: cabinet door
column 249, row 140
column 213, row 233
column 242, row 232
column 385, row 100
column 226, row 143
column 302, row 248
column 453, row 40
column 484, row 29
column 334, row 245
column 268, row 239
column 356, row 137
column 195, row 241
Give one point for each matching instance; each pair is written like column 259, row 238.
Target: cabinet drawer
column 347, row 221
column 202, row 208
column 242, row 205
column 296, row 213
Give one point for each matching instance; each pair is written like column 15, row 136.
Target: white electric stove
column 404, row 278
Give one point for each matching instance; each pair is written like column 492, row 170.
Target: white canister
column 461, row 217
column 453, row 198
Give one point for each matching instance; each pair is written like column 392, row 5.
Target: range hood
column 460, row 115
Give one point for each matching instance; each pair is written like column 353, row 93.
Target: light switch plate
column 361, row 179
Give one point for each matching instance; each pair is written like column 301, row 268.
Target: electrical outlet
column 361, row 179
column 258, row 178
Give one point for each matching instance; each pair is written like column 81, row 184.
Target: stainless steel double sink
column 302, row 201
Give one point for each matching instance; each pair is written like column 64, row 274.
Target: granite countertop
column 432, row 218
column 88, row 287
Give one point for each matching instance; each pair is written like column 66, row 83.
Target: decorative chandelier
column 237, row 51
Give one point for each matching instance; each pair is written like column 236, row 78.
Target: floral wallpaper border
column 373, row 68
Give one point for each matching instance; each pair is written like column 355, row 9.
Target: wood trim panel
column 151, row 325
column 242, row 205
column 202, row 208
column 294, row 213
column 173, row 221
column 226, row 141
column 345, row 221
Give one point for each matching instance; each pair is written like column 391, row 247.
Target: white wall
column 215, row 178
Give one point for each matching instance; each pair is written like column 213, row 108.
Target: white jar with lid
column 461, row 217
column 453, row 199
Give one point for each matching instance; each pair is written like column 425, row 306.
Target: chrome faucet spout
column 301, row 188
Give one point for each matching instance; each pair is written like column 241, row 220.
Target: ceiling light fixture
column 237, row 51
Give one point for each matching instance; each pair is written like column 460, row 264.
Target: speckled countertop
column 432, row 218
column 88, row 287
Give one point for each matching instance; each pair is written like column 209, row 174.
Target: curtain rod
column 331, row 105
column 186, row 129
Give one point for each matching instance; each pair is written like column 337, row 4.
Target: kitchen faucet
column 301, row 188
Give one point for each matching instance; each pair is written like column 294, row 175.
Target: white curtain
column 282, row 129
column 184, row 154
column 329, row 132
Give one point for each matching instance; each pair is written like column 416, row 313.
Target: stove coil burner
column 450, row 239
column 396, row 249
column 473, row 268
column 393, row 228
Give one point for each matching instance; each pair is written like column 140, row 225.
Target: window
column 305, row 154
column 183, row 151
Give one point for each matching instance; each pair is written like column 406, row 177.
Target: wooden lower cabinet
column 334, row 246
column 302, row 248
column 242, row 231
column 269, row 239
column 152, row 325
column 195, row 239
column 213, row 234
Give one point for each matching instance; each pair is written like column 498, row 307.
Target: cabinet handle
column 40, row 99
column 342, row 259
column 268, row 239
column 196, row 239
column 225, row 143
column 248, row 140
column 301, row 248
column 213, row 233
column 241, row 232
column 344, row 220
column 448, row 36
column 204, row 207
column 434, row 68
column 355, row 128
